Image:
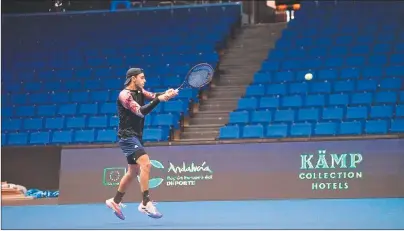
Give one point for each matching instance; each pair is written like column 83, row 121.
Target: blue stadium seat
column 114, row 121
column 325, row 129
column 3, row 139
column 333, row 114
column 154, row 134
column 62, row 137
column 17, row 139
column 262, row 116
column 327, row 74
column 366, row 85
column 381, row 112
column 344, row 86
column 97, row 122
column 362, row 98
column 229, row 132
column 397, row 126
column 276, row 89
column 25, row 111
column 67, row 109
column 391, row 84
column 108, row 108
column 54, row 123
column 165, row 120
column 33, row 124
column 269, row 102
column 338, row 99
column 309, row 114
column 293, row 101
column 262, row 78
column 80, row 97
column 239, row 117
column 105, row 135
column 320, row 87
column 350, row 128
column 88, row 109
column 315, row 101
column 247, row 103
column 284, row 76
column 277, row 131
column 40, row 138
column 376, row 127
column 284, row 116
column 298, row 88
column 301, row 129
column 11, row 124
column 84, row 136
column 386, row 97
column 353, row 113
column 46, row 110
column 255, row 90
column 176, row 106
column 253, row 131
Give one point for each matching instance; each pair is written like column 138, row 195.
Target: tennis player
column 131, row 112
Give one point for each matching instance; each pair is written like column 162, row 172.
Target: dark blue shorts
column 133, row 148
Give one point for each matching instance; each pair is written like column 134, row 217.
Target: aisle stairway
column 238, row 65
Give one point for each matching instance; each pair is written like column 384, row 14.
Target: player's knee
column 146, row 167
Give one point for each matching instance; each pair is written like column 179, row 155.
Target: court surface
column 275, row 214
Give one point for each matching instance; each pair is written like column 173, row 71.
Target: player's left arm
column 150, row 95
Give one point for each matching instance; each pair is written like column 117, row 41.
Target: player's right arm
column 129, row 103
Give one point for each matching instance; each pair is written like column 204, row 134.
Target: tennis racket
column 198, row 76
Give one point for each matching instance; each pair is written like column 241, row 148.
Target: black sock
column 118, row 197
column 146, row 197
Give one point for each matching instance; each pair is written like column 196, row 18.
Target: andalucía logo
column 182, row 175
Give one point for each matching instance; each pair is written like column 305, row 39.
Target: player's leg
column 147, row 206
column 129, row 147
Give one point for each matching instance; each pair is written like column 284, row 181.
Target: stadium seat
column 301, row 129
column 277, row 131
column 229, row 132
column 253, row 131
column 376, row 127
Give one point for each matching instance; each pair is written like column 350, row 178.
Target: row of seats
column 173, row 106
column 370, row 127
column 295, row 101
column 370, row 85
column 331, row 74
column 317, row 62
column 80, row 97
column 316, row 114
column 81, row 122
column 77, row 136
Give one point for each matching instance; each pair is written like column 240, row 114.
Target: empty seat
column 399, row 110
column 108, row 108
column 269, row 102
column 386, row 97
column 105, row 135
column 391, row 84
column 88, row 109
column 40, row 138
column 165, row 120
column 253, row 131
column 376, row 127
column 344, row 86
column 366, row 85
column 284, row 116
column 277, row 131
column 284, row 76
column 276, row 89
column 308, row 114
column 362, row 98
column 84, row 136
column 46, row 110
column 292, row 101
column 25, row 111
column 350, row 73
column 333, row 113
column 356, row 113
column 381, row 112
column 237, row 117
column 325, row 129
column 80, row 97
column 11, row 124
column 154, row 134
column 114, row 121
column 62, row 137
column 350, row 128
column 176, row 106
column 99, row 96
column 261, row 116
column 314, row 101
column 17, row 138
column 255, row 90
column 54, row 123
column 338, row 99
column 320, row 87
column 67, row 109
column 260, row 77
column 229, row 132
column 301, row 129
column 33, row 124
column 327, row 74
column 247, row 103
column 97, row 122
column 298, row 88
column 397, row 126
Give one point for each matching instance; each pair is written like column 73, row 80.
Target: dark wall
column 32, row 167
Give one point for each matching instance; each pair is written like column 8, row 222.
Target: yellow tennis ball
column 308, row 76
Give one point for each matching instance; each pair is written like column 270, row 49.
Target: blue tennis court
column 276, row 214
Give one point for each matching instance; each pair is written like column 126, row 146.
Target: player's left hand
column 171, row 93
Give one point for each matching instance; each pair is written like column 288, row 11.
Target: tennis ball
column 308, row 76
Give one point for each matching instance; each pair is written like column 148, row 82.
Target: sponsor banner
column 327, row 169
column 31, row 167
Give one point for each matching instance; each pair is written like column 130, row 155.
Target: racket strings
column 199, row 78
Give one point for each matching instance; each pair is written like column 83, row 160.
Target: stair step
column 217, row 94
column 196, row 128
column 213, row 112
column 200, row 135
column 209, row 120
column 196, row 139
column 204, row 125
column 211, row 115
